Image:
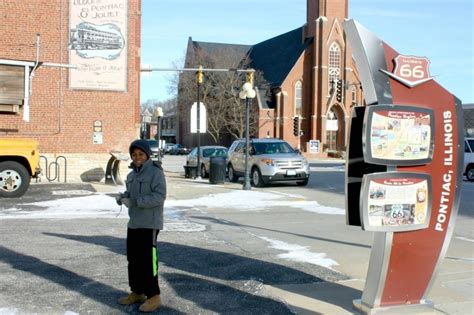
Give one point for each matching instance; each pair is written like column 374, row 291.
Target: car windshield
column 471, row 144
column 152, row 143
column 272, row 148
column 221, row 152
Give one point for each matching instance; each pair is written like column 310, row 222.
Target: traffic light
column 339, row 90
column 199, row 75
column 296, row 125
column 250, row 77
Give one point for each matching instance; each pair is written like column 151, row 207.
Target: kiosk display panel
column 398, row 135
column 395, row 201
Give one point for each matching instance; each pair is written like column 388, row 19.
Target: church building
column 312, row 81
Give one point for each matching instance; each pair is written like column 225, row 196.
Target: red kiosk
column 403, row 173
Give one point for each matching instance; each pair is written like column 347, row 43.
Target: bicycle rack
column 56, row 165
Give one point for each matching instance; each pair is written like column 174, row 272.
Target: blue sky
column 438, row 29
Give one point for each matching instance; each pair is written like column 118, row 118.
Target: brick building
column 302, row 68
column 468, row 111
column 81, row 113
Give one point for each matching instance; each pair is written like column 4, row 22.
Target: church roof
column 275, row 57
column 216, row 47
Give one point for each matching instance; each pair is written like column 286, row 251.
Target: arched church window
column 334, row 64
column 298, row 98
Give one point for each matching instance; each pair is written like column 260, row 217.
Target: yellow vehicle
column 19, row 162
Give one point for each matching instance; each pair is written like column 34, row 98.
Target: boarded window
column 12, row 84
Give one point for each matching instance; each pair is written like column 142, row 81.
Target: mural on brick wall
column 98, row 45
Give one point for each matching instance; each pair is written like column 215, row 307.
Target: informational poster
column 314, row 146
column 396, row 201
column 98, row 44
column 399, row 134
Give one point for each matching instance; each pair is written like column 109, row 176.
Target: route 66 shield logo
column 410, row 70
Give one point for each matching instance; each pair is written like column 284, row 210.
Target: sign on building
column 314, row 146
column 98, row 44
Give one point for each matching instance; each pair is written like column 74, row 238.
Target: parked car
column 156, row 153
column 468, row 168
column 270, row 160
column 207, row 152
column 179, row 149
column 168, row 147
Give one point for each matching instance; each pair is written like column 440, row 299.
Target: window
column 298, row 98
column 334, row 65
column 353, row 92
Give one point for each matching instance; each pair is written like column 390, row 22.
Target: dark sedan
column 179, row 149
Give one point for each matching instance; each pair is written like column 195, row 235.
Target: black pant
column 142, row 260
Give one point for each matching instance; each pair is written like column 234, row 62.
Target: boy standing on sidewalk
column 144, row 197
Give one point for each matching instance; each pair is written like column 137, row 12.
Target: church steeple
column 326, row 8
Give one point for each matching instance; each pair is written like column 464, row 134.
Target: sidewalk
column 210, row 262
column 452, row 293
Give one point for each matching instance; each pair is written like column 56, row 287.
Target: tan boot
column 132, row 298
column 151, row 304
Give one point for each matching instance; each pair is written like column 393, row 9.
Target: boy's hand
column 118, row 199
column 129, row 202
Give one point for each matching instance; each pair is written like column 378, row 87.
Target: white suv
column 468, row 169
column 270, row 160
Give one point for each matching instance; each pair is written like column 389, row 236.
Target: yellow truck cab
column 19, row 162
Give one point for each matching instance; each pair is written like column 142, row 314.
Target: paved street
column 281, row 249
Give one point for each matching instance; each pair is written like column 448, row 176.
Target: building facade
column 468, row 112
column 311, row 75
column 80, row 60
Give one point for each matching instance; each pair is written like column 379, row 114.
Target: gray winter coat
column 147, row 192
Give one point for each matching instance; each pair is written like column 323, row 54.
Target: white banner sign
column 202, row 118
column 331, row 125
column 98, row 44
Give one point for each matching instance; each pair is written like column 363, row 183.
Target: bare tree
column 220, row 91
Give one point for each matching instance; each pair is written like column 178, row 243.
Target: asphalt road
column 273, row 250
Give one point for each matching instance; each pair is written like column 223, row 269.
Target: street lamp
column 159, row 114
column 247, row 93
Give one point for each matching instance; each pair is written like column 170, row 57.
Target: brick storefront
column 62, row 118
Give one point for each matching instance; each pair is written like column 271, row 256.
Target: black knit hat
column 142, row 145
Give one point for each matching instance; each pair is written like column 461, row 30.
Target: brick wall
column 62, row 119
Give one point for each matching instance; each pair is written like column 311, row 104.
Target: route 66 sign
column 410, row 70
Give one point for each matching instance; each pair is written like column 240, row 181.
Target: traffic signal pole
column 199, row 79
column 199, row 82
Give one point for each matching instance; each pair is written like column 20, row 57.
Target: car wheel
column 257, row 180
column 470, row 173
column 231, row 173
column 14, row 179
column 303, row 182
column 203, row 171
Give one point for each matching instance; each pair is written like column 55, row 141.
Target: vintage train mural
column 89, row 37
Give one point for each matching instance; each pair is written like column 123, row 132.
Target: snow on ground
column 250, row 200
column 91, row 206
column 300, row 253
column 102, row 205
